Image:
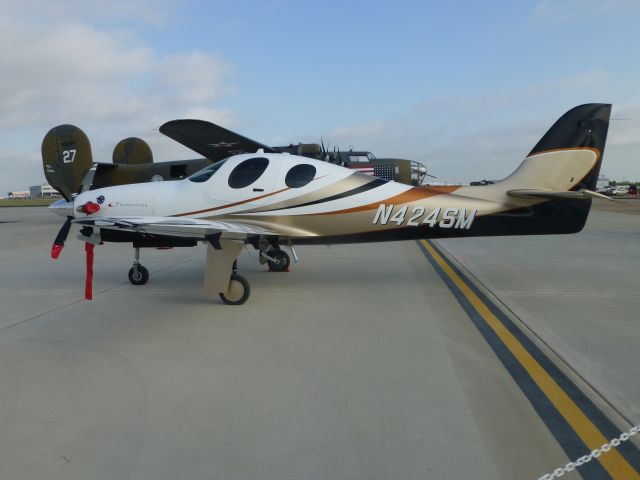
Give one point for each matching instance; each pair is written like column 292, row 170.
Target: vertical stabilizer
column 66, row 158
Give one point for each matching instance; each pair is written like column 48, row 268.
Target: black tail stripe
column 362, row 188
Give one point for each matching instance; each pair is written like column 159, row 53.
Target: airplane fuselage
column 329, row 203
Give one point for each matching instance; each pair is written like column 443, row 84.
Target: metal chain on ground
column 558, row 472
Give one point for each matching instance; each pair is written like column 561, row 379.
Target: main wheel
column 238, row 291
column 281, row 260
column 140, row 277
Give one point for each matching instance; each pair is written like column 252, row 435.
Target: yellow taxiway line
column 612, row 461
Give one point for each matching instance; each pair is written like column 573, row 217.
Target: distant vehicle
column 482, row 182
column 621, row 190
column 633, row 190
column 608, row 190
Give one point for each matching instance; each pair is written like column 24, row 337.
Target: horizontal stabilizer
column 582, row 194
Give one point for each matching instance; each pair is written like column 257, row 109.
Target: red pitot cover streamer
column 88, row 286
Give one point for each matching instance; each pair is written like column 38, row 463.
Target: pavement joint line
column 81, row 300
column 567, row 412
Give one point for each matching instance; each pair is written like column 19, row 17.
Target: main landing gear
column 221, row 271
column 239, row 289
column 221, row 277
column 271, row 253
column 278, row 260
column 138, row 275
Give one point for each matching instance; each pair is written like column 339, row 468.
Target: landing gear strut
column 138, row 275
column 220, row 274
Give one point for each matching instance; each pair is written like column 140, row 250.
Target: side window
column 247, row 172
column 204, row 174
column 300, row 175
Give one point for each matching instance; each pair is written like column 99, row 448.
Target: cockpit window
column 300, row 175
column 205, row 174
column 247, row 172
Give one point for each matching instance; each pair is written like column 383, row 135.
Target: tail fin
column 569, row 155
column 66, row 158
column 586, row 127
column 556, row 177
column 132, row 151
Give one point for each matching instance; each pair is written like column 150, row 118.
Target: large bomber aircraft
column 269, row 200
column 68, row 161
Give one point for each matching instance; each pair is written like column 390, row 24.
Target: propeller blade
column 58, row 243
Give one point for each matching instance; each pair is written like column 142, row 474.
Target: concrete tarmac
column 579, row 294
column 357, row 364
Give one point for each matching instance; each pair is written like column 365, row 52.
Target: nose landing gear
column 138, row 275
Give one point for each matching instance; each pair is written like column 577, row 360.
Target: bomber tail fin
column 132, row 151
column 66, row 158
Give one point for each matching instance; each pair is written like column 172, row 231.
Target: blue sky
column 465, row 87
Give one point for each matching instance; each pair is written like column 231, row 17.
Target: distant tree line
column 615, row 183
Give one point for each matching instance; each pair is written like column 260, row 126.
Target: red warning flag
column 88, row 286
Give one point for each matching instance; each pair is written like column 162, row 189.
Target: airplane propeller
column 90, row 207
column 63, row 233
column 58, row 243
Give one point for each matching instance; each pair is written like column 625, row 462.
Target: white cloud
column 463, row 138
column 197, row 77
column 625, row 129
column 155, row 13
column 63, row 69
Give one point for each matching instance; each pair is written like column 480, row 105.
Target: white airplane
column 268, row 200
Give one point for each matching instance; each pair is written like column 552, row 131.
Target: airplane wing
column 177, row 227
column 210, row 140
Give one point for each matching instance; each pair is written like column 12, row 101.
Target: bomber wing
column 210, row 140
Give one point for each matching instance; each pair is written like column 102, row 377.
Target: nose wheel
column 138, row 275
